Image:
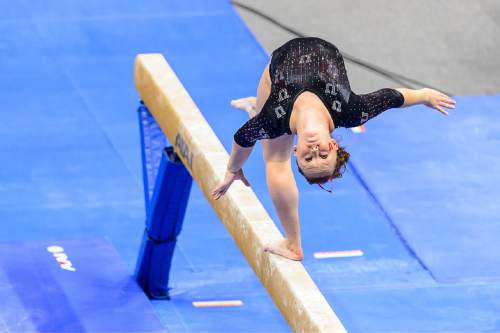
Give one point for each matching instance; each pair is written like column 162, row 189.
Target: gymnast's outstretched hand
column 229, row 178
column 437, row 100
column 429, row 97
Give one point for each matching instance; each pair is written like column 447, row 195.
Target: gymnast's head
column 320, row 158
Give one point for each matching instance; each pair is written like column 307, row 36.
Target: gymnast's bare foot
column 247, row 104
column 282, row 248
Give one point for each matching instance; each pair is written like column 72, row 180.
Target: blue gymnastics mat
column 70, row 286
column 71, row 170
column 438, row 180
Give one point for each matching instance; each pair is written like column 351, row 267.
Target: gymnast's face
column 316, row 153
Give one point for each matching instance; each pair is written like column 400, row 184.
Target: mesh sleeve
column 259, row 127
column 365, row 107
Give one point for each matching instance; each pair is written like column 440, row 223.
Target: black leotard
column 312, row 64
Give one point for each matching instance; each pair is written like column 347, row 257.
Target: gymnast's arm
column 243, row 142
column 246, row 136
column 284, row 194
column 367, row 106
column 238, row 157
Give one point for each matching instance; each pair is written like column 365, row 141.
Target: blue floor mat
column 70, row 286
column 437, row 178
column 72, row 170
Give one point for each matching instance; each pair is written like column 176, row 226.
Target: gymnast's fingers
column 217, row 192
column 221, row 190
column 450, row 101
column 440, row 109
column 447, row 98
column 447, row 105
column 245, row 180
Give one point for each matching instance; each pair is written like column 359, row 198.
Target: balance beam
column 288, row 283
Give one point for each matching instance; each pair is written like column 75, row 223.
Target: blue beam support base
column 166, row 203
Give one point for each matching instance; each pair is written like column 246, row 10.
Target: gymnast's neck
column 310, row 118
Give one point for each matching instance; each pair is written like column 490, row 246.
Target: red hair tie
column 329, row 179
column 326, row 189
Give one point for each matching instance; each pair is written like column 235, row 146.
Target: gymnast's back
column 315, row 65
column 304, row 61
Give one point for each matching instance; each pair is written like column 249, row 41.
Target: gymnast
column 304, row 90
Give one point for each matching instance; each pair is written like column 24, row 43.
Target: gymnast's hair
column 342, row 158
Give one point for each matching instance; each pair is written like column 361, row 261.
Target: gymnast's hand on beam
column 229, row 178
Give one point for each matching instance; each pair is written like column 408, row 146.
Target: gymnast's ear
column 335, row 144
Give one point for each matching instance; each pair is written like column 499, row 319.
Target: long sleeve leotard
column 315, row 65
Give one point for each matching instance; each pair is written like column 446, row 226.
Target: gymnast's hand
column 229, row 178
column 437, row 100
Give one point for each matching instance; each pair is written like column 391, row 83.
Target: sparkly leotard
column 315, row 65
